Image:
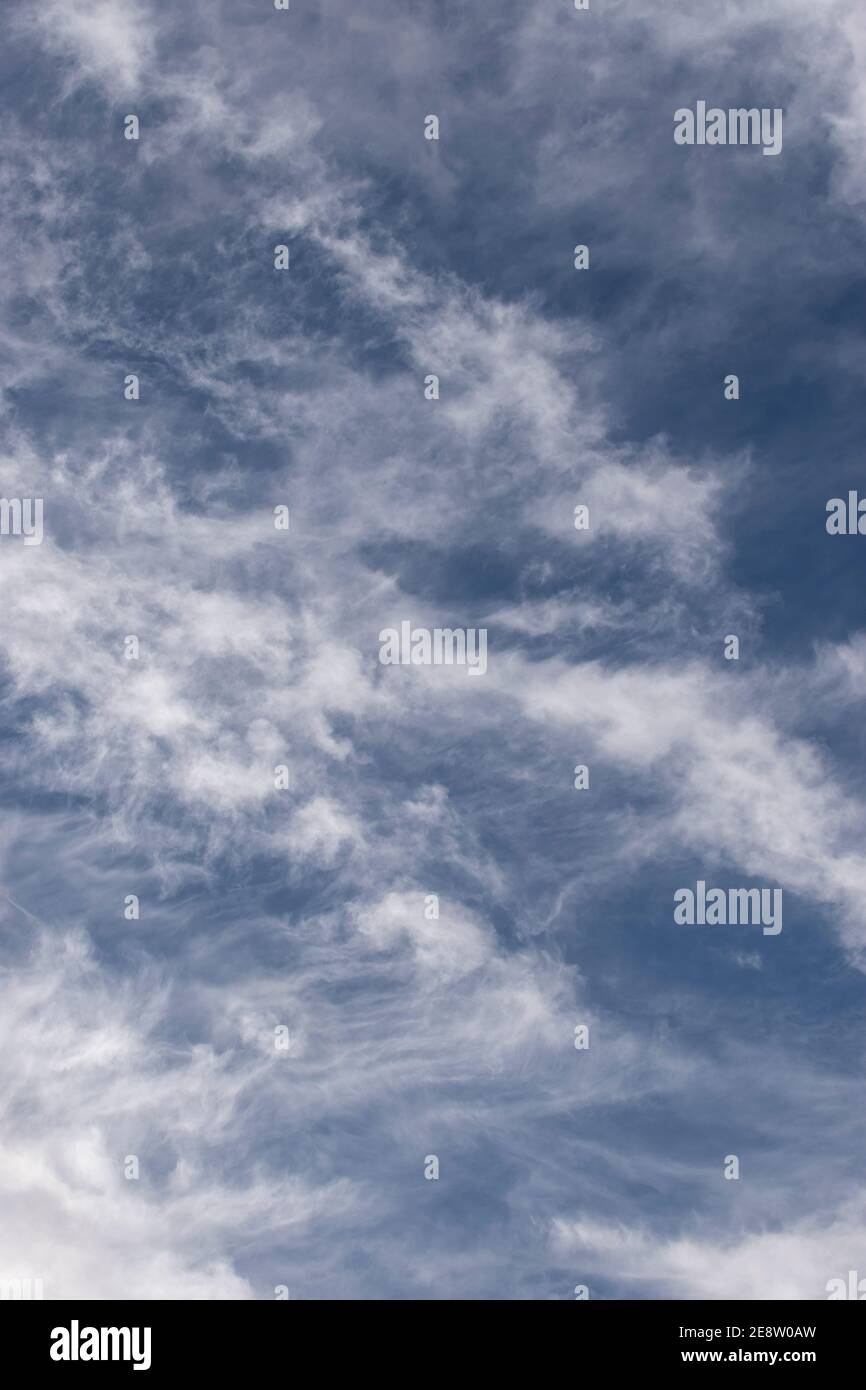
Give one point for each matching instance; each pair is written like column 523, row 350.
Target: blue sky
column 304, row 908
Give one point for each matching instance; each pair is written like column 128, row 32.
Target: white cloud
column 795, row 1263
column 110, row 42
column 85, row 1082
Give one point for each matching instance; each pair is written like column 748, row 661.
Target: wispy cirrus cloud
column 263, row 907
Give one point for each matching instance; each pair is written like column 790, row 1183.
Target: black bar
column 280, row 1337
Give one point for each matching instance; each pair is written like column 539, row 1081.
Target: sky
column 238, row 1092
